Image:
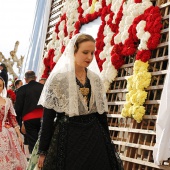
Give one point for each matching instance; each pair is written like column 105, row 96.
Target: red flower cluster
column 151, row 15
column 11, row 94
column 49, row 63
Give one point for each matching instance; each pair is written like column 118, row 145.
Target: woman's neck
column 80, row 73
column 2, row 101
column 79, row 69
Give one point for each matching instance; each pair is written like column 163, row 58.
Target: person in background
column 27, row 109
column 11, row 143
column 42, row 80
column 18, row 84
column 4, row 73
column 75, row 95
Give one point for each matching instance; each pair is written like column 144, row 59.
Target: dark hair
column 82, row 38
column 3, row 82
column 17, row 82
column 30, row 75
column 4, row 67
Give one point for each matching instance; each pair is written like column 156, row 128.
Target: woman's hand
column 23, row 129
column 21, row 142
column 41, row 161
column 7, row 125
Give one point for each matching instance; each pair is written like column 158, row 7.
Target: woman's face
column 84, row 55
column 1, row 85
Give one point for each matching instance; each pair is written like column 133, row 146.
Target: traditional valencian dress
column 11, row 154
column 78, row 142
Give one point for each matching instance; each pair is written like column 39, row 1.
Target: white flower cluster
column 131, row 10
column 109, row 72
column 70, row 9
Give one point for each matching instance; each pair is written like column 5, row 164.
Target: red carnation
column 129, row 47
column 143, row 55
column 153, row 41
column 11, row 94
column 138, row 1
column 117, row 61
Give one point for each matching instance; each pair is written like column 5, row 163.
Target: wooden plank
column 149, row 164
column 164, row 5
column 123, row 102
column 125, row 90
column 150, row 132
column 127, row 144
column 120, row 116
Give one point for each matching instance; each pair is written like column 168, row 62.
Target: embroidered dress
column 11, row 154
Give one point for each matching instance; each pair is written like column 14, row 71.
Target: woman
column 74, row 94
column 4, row 73
column 11, row 154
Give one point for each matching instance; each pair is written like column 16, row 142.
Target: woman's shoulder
column 59, row 78
column 93, row 74
column 7, row 99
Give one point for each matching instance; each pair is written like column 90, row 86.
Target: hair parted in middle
column 82, row 38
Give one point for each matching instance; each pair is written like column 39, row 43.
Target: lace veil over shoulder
column 60, row 90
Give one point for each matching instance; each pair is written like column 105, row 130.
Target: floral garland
column 124, row 24
column 149, row 33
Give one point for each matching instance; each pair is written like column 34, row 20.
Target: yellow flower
column 138, row 112
column 130, row 83
column 125, row 111
column 140, row 66
column 142, row 80
column 130, row 94
column 136, row 96
column 92, row 10
column 139, row 97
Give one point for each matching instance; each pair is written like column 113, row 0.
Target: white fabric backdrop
column 162, row 147
column 37, row 40
column 92, row 27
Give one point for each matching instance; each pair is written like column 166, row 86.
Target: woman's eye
column 85, row 52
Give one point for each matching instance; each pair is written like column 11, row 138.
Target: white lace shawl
column 63, row 98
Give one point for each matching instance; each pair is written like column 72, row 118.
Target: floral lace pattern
column 62, row 97
column 12, row 119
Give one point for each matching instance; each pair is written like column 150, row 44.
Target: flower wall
column 128, row 28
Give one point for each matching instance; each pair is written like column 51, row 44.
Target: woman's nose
column 90, row 56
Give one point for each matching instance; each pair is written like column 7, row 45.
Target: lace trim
column 64, row 97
